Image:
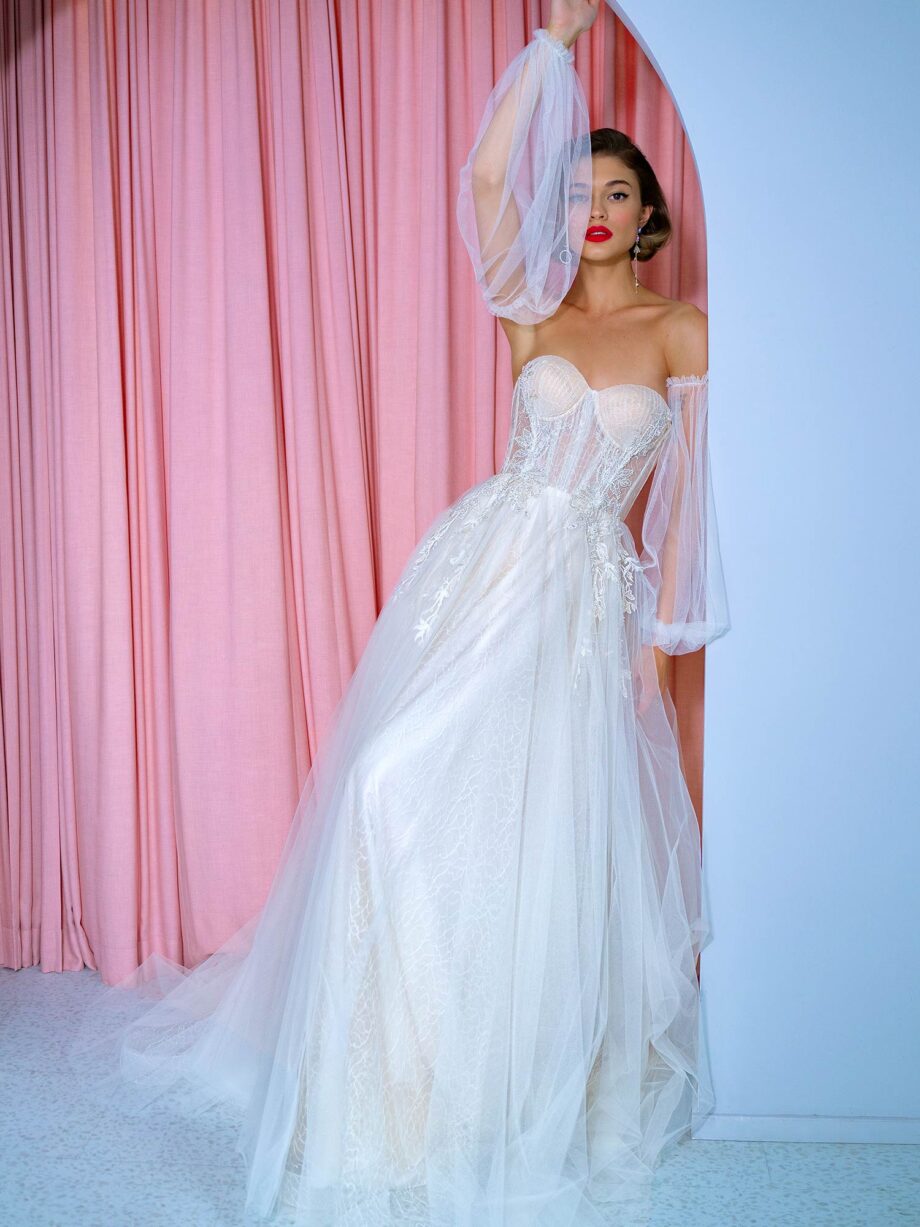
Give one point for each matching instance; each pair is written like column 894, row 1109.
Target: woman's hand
column 569, row 18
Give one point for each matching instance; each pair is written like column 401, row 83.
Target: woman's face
column 616, row 210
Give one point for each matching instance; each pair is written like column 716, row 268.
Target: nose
column 597, row 210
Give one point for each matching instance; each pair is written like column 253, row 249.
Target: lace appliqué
column 599, row 520
column 598, row 511
column 469, row 509
column 524, row 475
column 596, row 508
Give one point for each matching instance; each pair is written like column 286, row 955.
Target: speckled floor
column 61, row 1167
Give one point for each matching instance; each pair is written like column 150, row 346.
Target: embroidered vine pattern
column 428, row 544
column 595, row 508
column 597, row 511
column 469, row 509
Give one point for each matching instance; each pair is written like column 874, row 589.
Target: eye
column 575, row 196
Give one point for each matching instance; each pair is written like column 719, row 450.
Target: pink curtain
column 244, row 367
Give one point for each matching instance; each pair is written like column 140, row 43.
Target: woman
column 470, row 997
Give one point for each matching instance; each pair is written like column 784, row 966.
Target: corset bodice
column 598, row 445
column 595, row 446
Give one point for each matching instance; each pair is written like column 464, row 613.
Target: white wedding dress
column 470, row 999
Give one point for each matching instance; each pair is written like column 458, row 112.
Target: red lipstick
column 598, row 234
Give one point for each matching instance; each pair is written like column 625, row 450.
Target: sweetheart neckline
column 610, row 387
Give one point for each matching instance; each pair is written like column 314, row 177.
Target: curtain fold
column 244, row 365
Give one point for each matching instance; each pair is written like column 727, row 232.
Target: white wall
column 804, row 120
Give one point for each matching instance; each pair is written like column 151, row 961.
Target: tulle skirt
column 470, row 998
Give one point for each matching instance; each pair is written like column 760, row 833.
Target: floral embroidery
column 469, row 509
column 598, row 510
column 598, row 522
column 469, row 506
column 595, row 505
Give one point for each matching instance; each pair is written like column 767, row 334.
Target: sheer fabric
column 685, row 602
column 520, row 210
column 470, row 999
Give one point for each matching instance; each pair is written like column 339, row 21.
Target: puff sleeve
column 684, row 604
column 525, row 188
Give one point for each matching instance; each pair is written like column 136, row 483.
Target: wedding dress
column 470, row 997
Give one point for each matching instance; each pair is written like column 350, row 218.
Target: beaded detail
column 469, row 509
column 545, row 452
column 598, row 510
column 596, row 505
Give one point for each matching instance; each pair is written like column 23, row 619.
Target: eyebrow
column 609, row 183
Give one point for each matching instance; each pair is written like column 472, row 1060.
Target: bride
column 470, row 998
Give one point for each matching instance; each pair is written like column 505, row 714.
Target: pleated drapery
column 232, row 276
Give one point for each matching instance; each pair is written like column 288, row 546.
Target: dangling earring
column 564, row 254
column 635, row 253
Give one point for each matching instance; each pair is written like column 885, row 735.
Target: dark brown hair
column 657, row 230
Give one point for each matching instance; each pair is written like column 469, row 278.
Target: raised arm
column 519, row 214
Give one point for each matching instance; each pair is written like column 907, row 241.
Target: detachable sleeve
column 684, row 604
column 525, row 188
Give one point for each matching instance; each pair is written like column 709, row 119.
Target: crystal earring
column 565, row 255
column 635, row 254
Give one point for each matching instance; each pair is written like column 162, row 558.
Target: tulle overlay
column 470, row 999
column 471, row 996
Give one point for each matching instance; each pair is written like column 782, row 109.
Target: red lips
column 598, row 234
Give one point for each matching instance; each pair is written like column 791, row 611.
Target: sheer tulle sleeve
column 685, row 605
column 520, row 213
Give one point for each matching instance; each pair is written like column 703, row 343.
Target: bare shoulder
column 686, row 339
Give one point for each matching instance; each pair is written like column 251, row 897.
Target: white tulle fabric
column 524, row 223
column 470, row 999
column 685, row 604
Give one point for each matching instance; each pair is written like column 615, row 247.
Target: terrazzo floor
column 60, row 1166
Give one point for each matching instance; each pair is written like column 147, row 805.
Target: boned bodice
column 598, row 445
